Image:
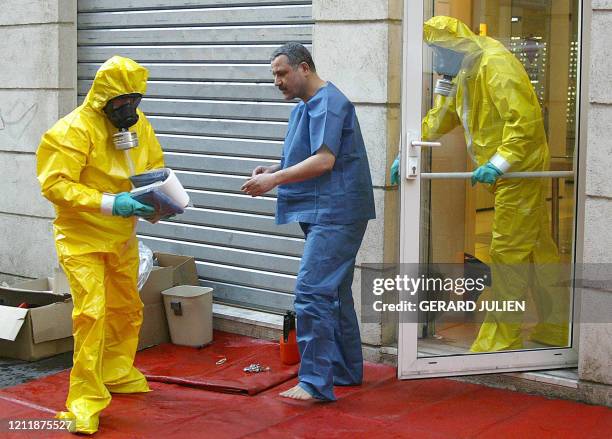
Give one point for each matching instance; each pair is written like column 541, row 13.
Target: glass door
column 491, row 86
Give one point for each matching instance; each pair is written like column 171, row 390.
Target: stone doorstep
column 559, row 377
column 248, row 322
column 556, row 383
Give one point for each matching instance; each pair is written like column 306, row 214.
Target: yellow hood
column 450, row 33
column 116, row 77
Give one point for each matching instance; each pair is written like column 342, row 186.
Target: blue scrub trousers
column 327, row 330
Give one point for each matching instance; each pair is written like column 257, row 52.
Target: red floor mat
column 198, row 367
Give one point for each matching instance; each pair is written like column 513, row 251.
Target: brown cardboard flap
column 11, row 321
column 36, row 332
column 154, row 329
column 185, row 272
column 52, row 322
column 172, row 270
column 160, row 279
column 12, row 296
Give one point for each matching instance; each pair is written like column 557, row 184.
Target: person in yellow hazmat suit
column 85, row 175
column 484, row 89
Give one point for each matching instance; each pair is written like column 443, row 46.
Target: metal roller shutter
column 212, row 102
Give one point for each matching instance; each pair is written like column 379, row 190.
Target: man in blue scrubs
column 325, row 185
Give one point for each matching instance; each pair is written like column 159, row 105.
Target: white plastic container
column 189, row 314
column 174, row 189
column 170, row 186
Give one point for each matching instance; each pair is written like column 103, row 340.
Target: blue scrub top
column 342, row 196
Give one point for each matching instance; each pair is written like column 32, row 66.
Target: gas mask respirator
column 121, row 112
column 448, row 64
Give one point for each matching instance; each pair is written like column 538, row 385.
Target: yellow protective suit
column 497, row 107
column 76, row 164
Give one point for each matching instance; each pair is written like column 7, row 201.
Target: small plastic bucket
column 189, row 314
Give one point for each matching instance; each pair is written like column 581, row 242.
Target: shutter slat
column 268, row 15
column 197, row 35
column 127, row 5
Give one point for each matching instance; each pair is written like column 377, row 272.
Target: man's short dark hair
column 296, row 53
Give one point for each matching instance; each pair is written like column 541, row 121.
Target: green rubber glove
column 395, row 171
column 126, row 206
column 487, row 173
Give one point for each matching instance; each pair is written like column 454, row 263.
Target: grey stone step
column 247, row 322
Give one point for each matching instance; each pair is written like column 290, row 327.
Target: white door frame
column 409, row 364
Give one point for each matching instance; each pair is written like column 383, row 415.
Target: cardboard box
column 173, row 270
column 43, row 331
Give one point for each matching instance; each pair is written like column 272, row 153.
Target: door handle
column 413, row 158
column 417, row 143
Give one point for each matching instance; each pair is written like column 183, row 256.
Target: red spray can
column 288, row 343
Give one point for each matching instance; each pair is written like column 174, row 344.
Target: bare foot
column 297, row 392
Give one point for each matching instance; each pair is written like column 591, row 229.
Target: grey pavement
column 13, row 372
